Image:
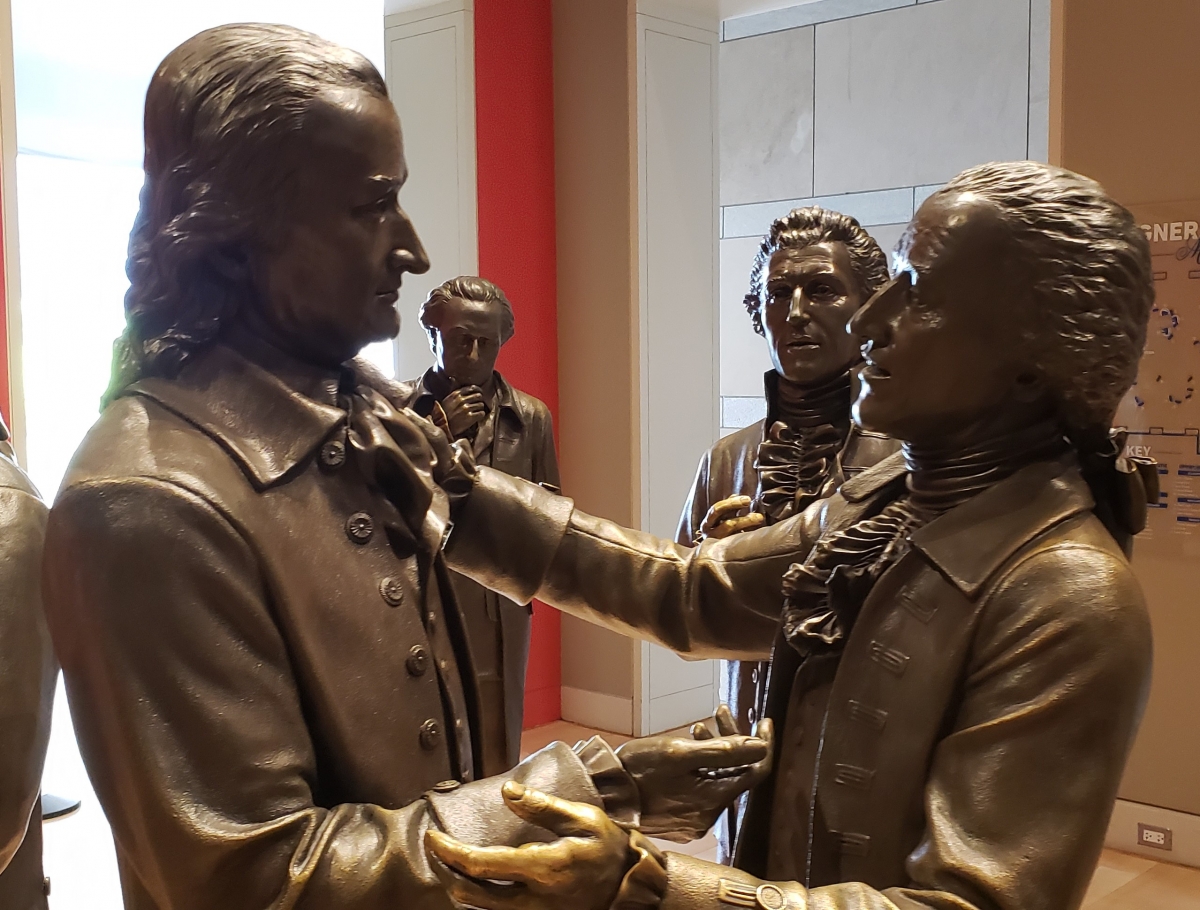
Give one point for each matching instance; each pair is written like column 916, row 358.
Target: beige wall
column 595, row 148
column 1124, row 111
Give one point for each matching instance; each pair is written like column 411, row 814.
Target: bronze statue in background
column 961, row 651
column 468, row 320
column 243, row 567
column 27, row 676
column 814, row 269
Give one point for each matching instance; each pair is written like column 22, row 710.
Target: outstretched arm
column 721, row 599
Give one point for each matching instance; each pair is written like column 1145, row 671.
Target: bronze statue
column 468, row 320
column 814, row 270
column 27, row 676
column 961, row 651
column 242, row 567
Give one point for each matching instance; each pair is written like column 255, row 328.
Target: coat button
column 431, row 734
column 359, row 527
column 333, row 453
column 446, row 786
column 418, row 660
column 393, row 591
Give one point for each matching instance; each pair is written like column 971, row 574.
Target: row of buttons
column 360, row 528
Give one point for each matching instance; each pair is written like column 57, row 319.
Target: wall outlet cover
column 1154, row 836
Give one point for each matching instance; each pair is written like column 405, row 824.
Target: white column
column 679, row 316
column 431, row 78
column 10, row 261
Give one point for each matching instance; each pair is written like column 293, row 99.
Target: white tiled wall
column 864, row 107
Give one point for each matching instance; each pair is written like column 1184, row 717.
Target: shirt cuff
column 618, row 792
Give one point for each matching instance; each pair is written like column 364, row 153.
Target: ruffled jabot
column 823, row 594
column 796, row 461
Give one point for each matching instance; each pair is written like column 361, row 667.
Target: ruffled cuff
column 645, row 884
column 617, row 789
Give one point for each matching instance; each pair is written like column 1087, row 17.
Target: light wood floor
column 1121, row 881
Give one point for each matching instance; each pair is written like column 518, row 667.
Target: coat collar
column 970, row 542
column 266, row 409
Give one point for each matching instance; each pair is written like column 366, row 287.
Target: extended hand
column 464, row 409
column 685, row 784
column 582, row 870
column 723, row 520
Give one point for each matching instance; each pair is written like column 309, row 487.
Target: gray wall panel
column 807, row 14
column 744, row 356
column 766, row 117
column 914, row 95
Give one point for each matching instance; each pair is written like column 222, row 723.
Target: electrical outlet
column 1154, row 836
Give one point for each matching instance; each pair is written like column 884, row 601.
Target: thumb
column 560, row 816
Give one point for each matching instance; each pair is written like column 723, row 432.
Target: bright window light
column 82, row 69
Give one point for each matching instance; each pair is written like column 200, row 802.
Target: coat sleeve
column 192, row 727
column 27, row 667
column 696, row 506
column 1021, row 789
column 721, row 599
column 545, row 458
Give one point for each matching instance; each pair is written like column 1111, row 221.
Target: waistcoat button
column 333, row 453
column 392, row 591
column 431, row 734
column 431, row 621
column 359, row 527
column 446, row 786
column 418, row 660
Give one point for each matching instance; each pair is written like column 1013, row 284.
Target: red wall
column 514, row 111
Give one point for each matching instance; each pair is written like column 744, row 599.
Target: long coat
column 973, row 738
column 523, row 446
column 727, row 469
column 270, row 695
column 27, row 676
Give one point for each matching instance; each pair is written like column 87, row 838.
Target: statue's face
column 467, row 341
column 812, row 292
column 328, row 284
column 942, row 341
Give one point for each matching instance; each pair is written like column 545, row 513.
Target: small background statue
column 468, row 320
column 815, row 268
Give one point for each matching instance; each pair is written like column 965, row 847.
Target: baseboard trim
column 1185, row 831
column 597, row 710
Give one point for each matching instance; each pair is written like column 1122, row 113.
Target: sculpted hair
column 467, row 287
column 1093, row 285
column 219, row 110
column 806, row 227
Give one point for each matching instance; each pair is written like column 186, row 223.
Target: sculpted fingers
column 564, row 818
column 726, row 725
column 720, row 512
column 751, row 522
